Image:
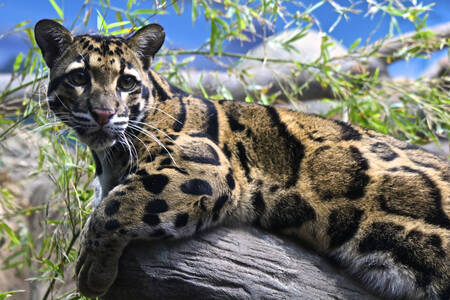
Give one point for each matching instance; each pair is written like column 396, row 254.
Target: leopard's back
column 368, row 200
column 376, row 204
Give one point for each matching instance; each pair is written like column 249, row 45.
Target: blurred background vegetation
column 276, row 52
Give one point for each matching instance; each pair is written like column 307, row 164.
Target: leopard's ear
column 52, row 38
column 146, row 42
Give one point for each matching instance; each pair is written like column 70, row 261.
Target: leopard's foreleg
column 171, row 197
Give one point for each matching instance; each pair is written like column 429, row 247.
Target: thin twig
column 69, row 247
column 236, row 55
column 19, row 87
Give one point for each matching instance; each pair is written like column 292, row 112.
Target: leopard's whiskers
column 133, row 155
column 110, row 155
column 137, row 123
column 167, row 114
column 59, row 99
column 133, row 136
column 150, row 135
column 123, row 141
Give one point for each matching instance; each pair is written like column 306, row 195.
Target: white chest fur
column 98, row 196
column 113, row 170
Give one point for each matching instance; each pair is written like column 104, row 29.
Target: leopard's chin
column 101, row 145
column 99, row 140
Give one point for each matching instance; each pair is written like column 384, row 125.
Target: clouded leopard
column 170, row 164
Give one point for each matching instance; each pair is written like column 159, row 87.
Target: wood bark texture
column 229, row 263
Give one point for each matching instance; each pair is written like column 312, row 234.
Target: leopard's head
column 99, row 85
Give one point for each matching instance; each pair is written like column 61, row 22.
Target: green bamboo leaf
column 21, row 24
column 33, row 65
column 117, row 24
column 176, row 7
column 194, row 11
column 8, row 294
column 57, row 9
column 158, row 65
column 226, row 93
column 18, row 62
column 310, row 9
column 147, row 12
column 224, row 24
column 202, row 89
column 28, row 58
column 119, row 16
column 296, row 37
column 212, row 39
column 5, row 228
column 354, row 45
column 30, row 34
column 101, row 23
column 120, row 31
column 249, row 99
column 130, row 4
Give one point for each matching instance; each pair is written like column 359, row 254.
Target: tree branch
column 226, row 263
column 276, row 70
column 390, row 47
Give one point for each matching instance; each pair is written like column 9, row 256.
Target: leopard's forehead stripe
column 101, row 45
column 129, row 70
column 77, row 64
column 106, row 53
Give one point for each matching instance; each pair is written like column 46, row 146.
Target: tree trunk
column 229, row 263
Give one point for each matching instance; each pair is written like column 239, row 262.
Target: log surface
column 229, row 263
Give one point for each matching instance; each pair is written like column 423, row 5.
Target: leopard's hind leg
column 399, row 258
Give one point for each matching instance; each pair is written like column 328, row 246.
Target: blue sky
column 181, row 33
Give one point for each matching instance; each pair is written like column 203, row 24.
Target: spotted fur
column 170, row 164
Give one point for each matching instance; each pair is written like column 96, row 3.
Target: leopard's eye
column 78, row 78
column 126, row 83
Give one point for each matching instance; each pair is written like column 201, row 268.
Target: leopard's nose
column 102, row 116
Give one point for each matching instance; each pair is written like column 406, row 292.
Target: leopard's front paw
column 97, row 262
column 94, row 275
